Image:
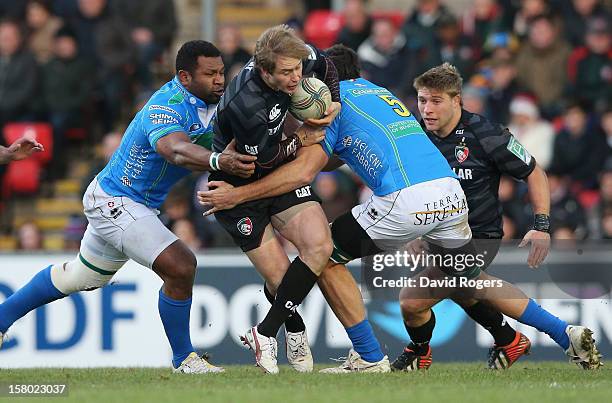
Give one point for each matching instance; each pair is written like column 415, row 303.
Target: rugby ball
column 310, row 99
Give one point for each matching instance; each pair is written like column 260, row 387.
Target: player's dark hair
column 346, row 61
column 444, row 78
column 187, row 56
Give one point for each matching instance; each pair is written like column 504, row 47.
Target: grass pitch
column 443, row 383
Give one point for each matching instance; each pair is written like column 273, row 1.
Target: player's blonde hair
column 444, row 78
column 278, row 41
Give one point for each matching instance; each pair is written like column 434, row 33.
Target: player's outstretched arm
column 22, row 148
column 539, row 194
column 178, row 150
column 288, row 177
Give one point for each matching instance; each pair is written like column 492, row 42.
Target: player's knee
column 316, row 254
column 330, row 273
column 76, row 276
column 176, row 265
column 412, row 306
column 182, row 273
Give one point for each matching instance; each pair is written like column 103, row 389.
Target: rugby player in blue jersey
column 169, row 137
column 410, row 180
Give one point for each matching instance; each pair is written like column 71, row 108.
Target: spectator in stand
column 606, row 224
column 104, row 39
column 579, row 149
column 600, row 221
column 590, row 66
column 185, row 230
column 566, row 213
column 577, row 13
column 420, row 27
column 535, row 134
column 42, row 26
column 473, row 98
column 539, row 64
column 29, row 237
column 176, row 206
column 334, row 201
column 480, row 21
column 450, row 45
column 528, row 11
column 386, row 60
column 501, row 46
column 502, row 89
column 66, row 89
column 152, row 26
column 74, row 232
column 18, row 75
column 110, row 142
column 357, row 24
column 234, row 55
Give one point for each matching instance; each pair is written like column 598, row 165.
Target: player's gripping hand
column 329, row 116
column 234, row 163
column 310, row 135
column 540, row 246
column 23, row 148
column 220, row 196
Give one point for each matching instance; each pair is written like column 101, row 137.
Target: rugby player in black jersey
column 479, row 152
column 252, row 112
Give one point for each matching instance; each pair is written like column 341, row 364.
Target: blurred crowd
column 79, row 64
column 543, row 68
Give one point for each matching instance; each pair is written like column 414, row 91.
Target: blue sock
column 39, row 291
column 535, row 316
column 364, row 341
column 175, row 318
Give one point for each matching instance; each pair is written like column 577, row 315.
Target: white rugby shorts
column 435, row 210
column 120, row 229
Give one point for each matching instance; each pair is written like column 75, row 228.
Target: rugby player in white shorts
column 169, row 137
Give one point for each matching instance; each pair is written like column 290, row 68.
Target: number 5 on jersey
column 396, row 104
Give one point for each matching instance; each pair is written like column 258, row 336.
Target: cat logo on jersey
column 245, row 226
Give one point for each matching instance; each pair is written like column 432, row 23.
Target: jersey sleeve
column 161, row 120
column 331, row 138
column 510, row 156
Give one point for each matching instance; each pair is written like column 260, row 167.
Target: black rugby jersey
column 254, row 114
column 479, row 152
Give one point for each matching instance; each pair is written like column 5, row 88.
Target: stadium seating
column 42, row 132
column 22, row 177
column 322, row 27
